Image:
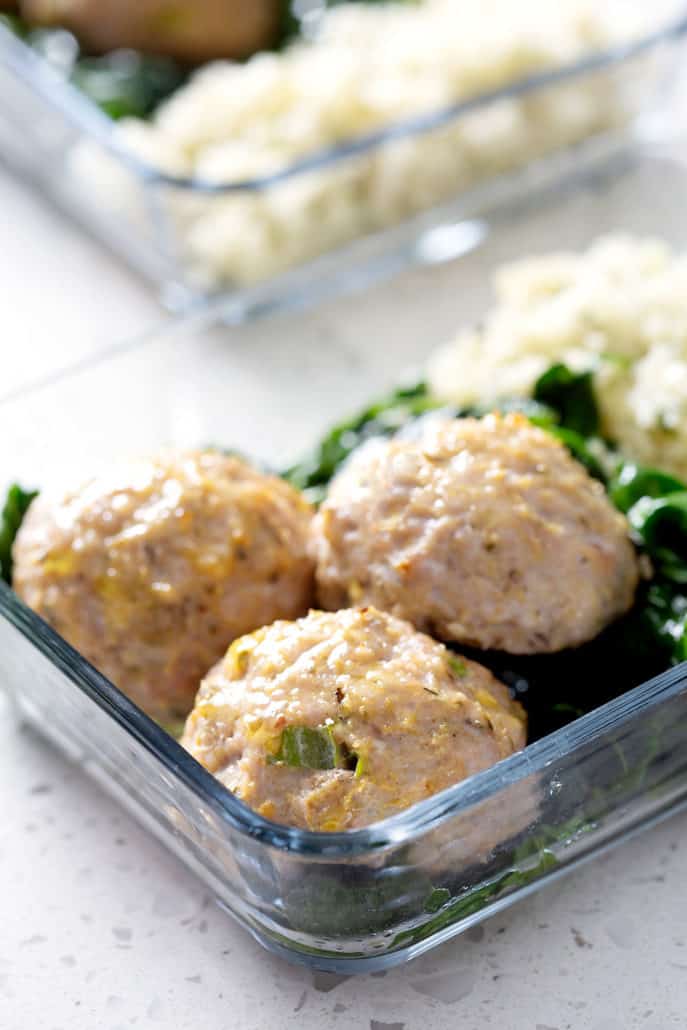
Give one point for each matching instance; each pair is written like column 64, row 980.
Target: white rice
column 620, row 310
column 371, row 65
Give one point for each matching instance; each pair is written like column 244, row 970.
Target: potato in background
column 190, row 30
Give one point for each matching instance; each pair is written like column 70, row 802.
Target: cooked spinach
column 15, row 24
column 472, row 900
column 633, row 482
column 352, row 901
column 571, row 395
column 15, row 508
column 437, row 899
column 127, row 84
column 557, row 688
column 662, row 621
column 383, row 418
column 660, row 523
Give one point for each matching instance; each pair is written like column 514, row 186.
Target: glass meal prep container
column 364, row 899
column 198, row 236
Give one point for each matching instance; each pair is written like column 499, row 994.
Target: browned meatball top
column 482, row 531
column 340, row 719
column 153, row 568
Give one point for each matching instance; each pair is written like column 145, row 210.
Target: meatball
column 340, row 719
column 190, row 30
column 485, row 532
column 153, row 568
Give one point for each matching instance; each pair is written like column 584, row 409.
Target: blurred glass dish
column 190, row 30
column 321, row 193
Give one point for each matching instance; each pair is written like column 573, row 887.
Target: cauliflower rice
column 368, row 66
column 619, row 310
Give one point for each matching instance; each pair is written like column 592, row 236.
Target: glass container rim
column 81, row 112
column 394, row 831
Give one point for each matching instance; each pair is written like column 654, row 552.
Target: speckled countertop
column 101, row 929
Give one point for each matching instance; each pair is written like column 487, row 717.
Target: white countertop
column 101, row 929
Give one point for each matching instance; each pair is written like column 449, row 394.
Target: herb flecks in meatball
column 337, row 720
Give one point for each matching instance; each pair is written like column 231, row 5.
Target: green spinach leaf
column 633, row 482
column 16, row 505
column 126, row 84
column 661, row 524
column 571, row 395
column 383, row 418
